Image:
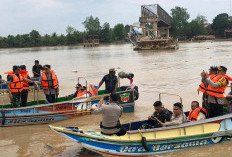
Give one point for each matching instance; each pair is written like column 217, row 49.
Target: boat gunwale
column 106, row 140
column 192, row 123
column 62, row 129
column 80, row 100
column 48, row 116
column 51, row 113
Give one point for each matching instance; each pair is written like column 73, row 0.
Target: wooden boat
column 151, row 141
column 146, row 142
column 39, row 112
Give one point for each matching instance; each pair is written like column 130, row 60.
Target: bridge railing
column 156, row 10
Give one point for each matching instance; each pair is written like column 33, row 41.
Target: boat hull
column 153, row 141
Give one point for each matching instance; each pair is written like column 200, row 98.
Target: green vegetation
column 72, row 37
column 183, row 29
column 220, row 23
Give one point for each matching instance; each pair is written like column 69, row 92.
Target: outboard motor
column 129, row 76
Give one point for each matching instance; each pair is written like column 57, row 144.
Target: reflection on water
column 163, row 71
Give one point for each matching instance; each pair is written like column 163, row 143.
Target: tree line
column 73, row 36
column 183, row 29
column 180, row 28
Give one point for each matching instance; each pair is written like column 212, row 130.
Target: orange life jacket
column 202, row 86
column 194, row 113
column 82, row 94
column 24, row 73
column 45, row 80
column 228, row 77
column 217, row 92
column 16, row 85
column 9, row 72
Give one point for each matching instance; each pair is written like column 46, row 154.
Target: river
column 171, row 71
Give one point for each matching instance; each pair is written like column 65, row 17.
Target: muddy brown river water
column 163, row 71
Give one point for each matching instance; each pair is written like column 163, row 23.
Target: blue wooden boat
column 40, row 112
column 152, row 141
column 146, row 142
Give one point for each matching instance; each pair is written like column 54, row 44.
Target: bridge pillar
column 155, row 29
column 167, row 33
column 143, row 25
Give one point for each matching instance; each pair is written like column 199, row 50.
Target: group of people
column 213, row 86
column 18, row 83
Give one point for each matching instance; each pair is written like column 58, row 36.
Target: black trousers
column 51, row 98
column 215, row 110
column 24, row 96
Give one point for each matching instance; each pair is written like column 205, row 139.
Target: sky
column 48, row 16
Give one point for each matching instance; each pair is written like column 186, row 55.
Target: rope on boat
column 144, row 142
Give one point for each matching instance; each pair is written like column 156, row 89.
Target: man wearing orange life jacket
column 50, row 84
column 78, row 89
column 204, row 85
column 215, row 91
column 24, row 93
column 15, row 85
column 83, row 93
column 197, row 113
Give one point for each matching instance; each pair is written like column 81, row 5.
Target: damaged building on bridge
column 153, row 31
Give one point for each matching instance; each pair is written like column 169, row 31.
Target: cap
column 221, row 68
column 46, row 66
column 78, row 85
column 15, row 67
column 112, row 69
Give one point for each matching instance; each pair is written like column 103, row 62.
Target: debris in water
column 48, row 147
column 75, row 71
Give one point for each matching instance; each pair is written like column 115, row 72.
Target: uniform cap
column 221, row 68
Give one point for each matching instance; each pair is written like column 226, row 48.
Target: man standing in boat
column 111, row 113
column 215, row 91
column 50, row 84
column 204, row 85
column 36, row 69
column 111, row 81
column 15, row 85
column 24, row 93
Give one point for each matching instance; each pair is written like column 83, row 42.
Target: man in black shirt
column 161, row 113
column 111, row 81
column 36, row 70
